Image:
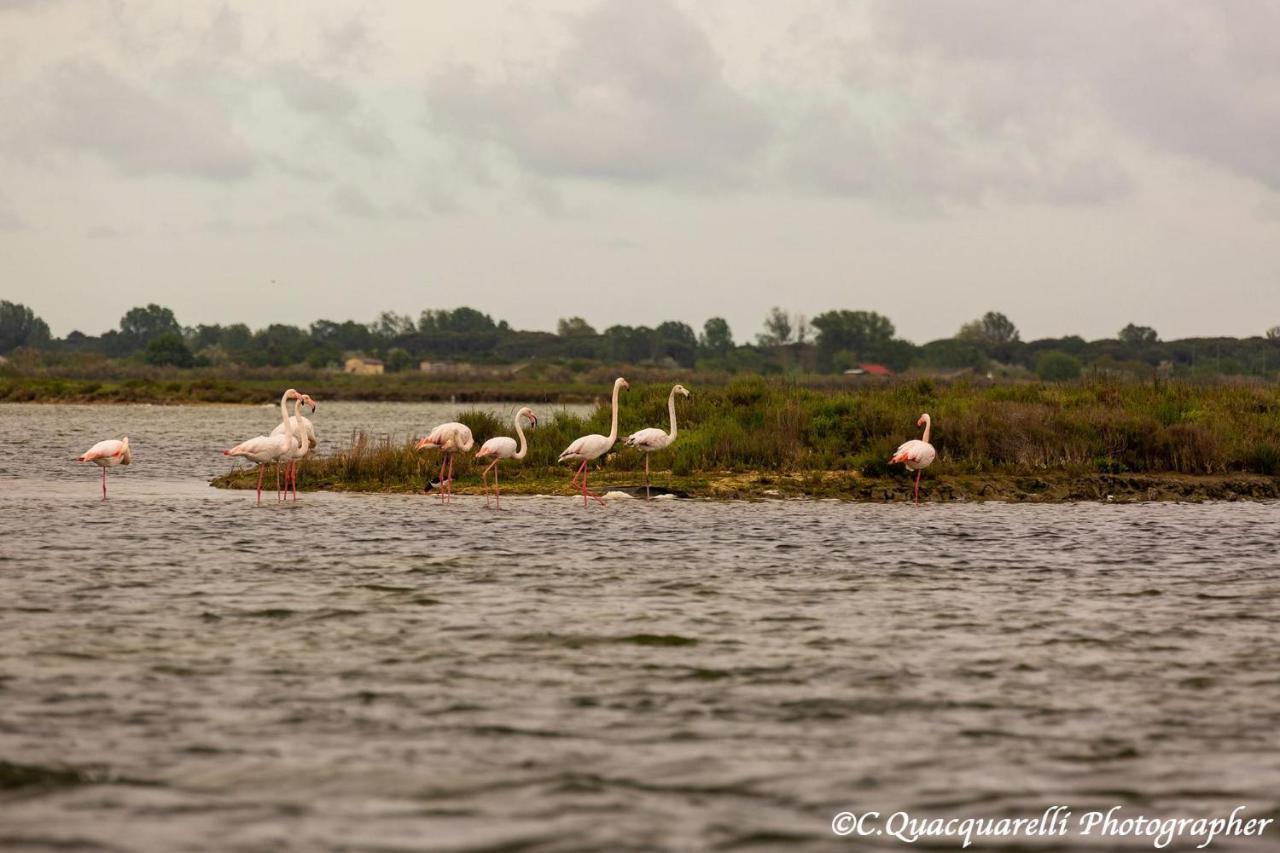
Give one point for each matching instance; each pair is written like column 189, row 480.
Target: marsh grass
column 753, row 425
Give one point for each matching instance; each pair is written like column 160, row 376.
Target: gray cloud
column 639, row 96
column 9, row 218
column 89, row 108
column 1193, row 79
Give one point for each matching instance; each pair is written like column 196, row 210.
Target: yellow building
column 364, row 366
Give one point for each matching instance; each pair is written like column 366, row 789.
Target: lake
column 381, row 672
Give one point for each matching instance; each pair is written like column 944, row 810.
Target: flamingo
column 104, row 454
column 503, row 447
column 269, row 448
column 653, row 439
column 591, row 447
column 449, row 438
column 306, row 435
column 917, row 453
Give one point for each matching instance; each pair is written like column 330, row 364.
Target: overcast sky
column 1075, row 165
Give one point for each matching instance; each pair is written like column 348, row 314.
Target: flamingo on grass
column 305, row 432
column 653, row 439
column 503, row 447
column 104, row 454
column 917, row 454
column 592, row 447
column 264, row 449
column 449, row 438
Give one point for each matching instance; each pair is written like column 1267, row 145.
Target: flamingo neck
column 928, row 425
column 284, row 417
column 523, row 444
column 671, row 407
column 613, row 429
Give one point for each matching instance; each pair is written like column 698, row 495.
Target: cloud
column 9, row 218
column 89, row 108
column 638, row 97
column 1199, row 80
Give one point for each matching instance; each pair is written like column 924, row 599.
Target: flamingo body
column 916, row 454
column 451, row 438
column 503, row 447
column 107, row 453
column 591, row 447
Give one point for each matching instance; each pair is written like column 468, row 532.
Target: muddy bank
column 1040, row 488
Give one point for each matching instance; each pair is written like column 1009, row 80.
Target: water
column 383, row 673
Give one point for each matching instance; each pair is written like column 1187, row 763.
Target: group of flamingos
column 295, row 436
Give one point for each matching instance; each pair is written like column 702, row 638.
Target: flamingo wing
column 502, row 447
column 649, row 439
column 111, row 448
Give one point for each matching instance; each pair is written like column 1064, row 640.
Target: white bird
column 591, row 447
column 449, row 438
column 653, row 439
column 305, row 433
column 503, row 447
column 269, row 448
column 917, row 454
column 104, row 454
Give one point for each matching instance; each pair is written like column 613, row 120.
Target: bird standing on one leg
column 104, row 454
column 917, row 454
column 653, row 439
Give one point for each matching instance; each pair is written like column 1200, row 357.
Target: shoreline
column 1043, row 487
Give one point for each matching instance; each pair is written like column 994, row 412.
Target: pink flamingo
column 104, row 454
column 917, row 453
column 305, row 432
column 270, row 448
column 653, row 439
column 503, row 447
column 449, row 438
column 591, row 447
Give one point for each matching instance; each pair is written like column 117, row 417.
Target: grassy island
column 755, row 438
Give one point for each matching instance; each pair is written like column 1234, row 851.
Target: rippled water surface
column 383, row 673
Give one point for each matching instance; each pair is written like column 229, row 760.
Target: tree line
column 830, row 342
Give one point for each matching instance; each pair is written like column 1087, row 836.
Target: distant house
column 364, row 366
column 869, row 370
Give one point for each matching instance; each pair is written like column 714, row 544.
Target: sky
column 1077, row 166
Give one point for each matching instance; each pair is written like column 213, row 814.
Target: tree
column 716, row 339
column 169, row 349
column 140, row 326
column 777, row 328
column 20, row 327
column 1057, row 366
column 1132, row 334
column 398, row 360
column 1273, row 334
column 677, row 341
column 864, row 334
column 574, row 327
column 993, row 333
column 391, row 325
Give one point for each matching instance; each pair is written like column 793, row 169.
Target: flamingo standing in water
column 591, row 447
column 305, row 432
column 917, row 454
column 104, row 454
column 270, row 448
column 503, row 447
column 449, row 438
column 653, row 439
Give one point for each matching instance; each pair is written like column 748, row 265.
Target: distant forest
column 831, row 342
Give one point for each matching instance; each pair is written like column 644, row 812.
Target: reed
column 753, row 425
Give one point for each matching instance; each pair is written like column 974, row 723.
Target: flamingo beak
column 421, row 444
column 533, row 419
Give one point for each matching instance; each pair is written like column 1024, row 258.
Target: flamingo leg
column 450, row 480
column 294, row 468
column 918, row 473
column 576, row 474
column 279, row 497
column 646, row 476
column 261, row 469
column 497, row 492
column 586, row 494
column 104, row 484
column 444, row 460
column 485, row 482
